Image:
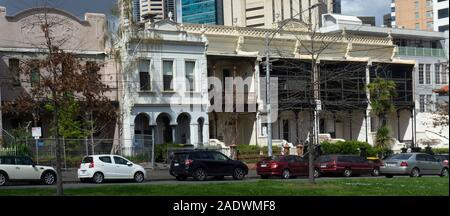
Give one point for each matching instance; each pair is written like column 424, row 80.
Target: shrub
column 353, row 148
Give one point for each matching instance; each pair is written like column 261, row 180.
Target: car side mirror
column 129, row 164
column 33, row 164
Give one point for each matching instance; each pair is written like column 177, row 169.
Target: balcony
column 418, row 51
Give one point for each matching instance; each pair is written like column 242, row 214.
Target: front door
column 220, row 164
column 108, row 167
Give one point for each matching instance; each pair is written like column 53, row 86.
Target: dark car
column 443, row 158
column 284, row 166
column 202, row 163
column 346, row 165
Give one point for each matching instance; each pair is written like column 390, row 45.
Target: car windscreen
column 400, row 157
column 87, row 160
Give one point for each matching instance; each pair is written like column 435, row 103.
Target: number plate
column 390, row 164
column 323, row 166
column 263, row 165
column 176, row 164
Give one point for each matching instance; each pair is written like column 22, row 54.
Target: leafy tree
column 381, row 94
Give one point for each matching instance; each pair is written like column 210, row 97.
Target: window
column 429, row 14
column 421, row 103
column 7, row 160
column 429, row 3
column 119, row 160
column 14, row 69
column 219, row 157
column 443, row 13
column 437, row 73
column 430, row 25
column 421, row 157
column 444, row 75
column 168, row 75
column 429, row 103
column 189, row 70
column 23, row 161
column 417, row 26
column 416, row 14
column 35, row 76
column 416, row 5
column 428, row 74
column 263, row 129
column 421, row 74
column 144, row 75
column 106, row 159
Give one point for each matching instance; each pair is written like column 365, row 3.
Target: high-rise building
column 440, row 11
column 136, row 11
column 387, row 20
column 202, row 11
column 265, row 13
column 368, row 20
column 154, row 7
column 413, row 14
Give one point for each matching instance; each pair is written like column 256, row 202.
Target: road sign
column 40, row 143
column 36, row 132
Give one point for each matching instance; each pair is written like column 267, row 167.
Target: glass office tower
column 202, row 11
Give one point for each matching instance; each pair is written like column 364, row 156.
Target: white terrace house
column 165, row 50
column 164, row 87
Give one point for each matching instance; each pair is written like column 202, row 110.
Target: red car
column 284, row 166
column 347, row 165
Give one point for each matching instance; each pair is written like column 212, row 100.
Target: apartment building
column 202, row 11
column 413, row 14
column 154, row 7
column 264, row 13
column 440, row 11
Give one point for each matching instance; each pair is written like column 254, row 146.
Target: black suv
column 200, row 164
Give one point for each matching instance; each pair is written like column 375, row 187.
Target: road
column 154, row 177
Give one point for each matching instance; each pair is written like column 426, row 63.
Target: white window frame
column 194, row 76
column 174, row 84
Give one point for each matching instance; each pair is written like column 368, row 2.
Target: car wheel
column 200, row 174
column 389, row 176
column 347, row 172
column 316, row 173
column 415, row 173
column 139, row 177
column 238, row 173
column 444, row 172
column 181, row 178
column 375, row 172
column 3, row 179
column 48, row 178
column 264, row 176
column 286, row 174
column 98, row 178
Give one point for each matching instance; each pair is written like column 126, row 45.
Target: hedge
column 352, row 148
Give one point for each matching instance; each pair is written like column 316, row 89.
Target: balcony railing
column 419, row 51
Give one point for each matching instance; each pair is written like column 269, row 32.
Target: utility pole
column 268, row 95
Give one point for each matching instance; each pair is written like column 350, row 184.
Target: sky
column 78, row 7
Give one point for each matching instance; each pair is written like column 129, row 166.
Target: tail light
column 404, row 164
column 188, row 162
column 91, row 165
column 445, row 162
column 274, row 166
column 382, row 163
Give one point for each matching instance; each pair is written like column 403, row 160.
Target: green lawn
column 430, row 186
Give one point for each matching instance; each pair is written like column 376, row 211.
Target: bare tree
column 56, row 75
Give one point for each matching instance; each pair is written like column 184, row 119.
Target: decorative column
column 398, row 125
column 351, row 129
column 296, row 112
column 174, row 134
column 334, row 125
column 193, row 134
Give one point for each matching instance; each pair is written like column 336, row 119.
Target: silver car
column 413, row 164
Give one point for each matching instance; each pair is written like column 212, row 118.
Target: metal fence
column 8, row 151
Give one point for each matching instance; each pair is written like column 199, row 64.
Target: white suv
column 21, row 168
column 97, row 168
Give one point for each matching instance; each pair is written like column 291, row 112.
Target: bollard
column 233, row 151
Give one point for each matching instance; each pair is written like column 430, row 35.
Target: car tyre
column 264, row 176
column 48, row 178
column 238, row 173
column 415, row 172
column 444, row 172
column 286, row 174
column 3, row 179
column 139, row 177
column 98, row 178
column 181, row 178
column 347, row 172
column 375, row 172
column 200, row 174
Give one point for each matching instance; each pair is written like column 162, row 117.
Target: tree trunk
column 59, row 182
